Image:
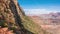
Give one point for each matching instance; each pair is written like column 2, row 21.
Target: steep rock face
column 13, row 18
column 10, row 16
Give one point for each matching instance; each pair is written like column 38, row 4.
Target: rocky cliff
column 10, row 16
column 13, row 18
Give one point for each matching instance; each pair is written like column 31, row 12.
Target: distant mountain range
column 49, row 22
column 51, row 15
column 51, row 18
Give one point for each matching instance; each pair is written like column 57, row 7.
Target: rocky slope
column 13, row 18
column 5, row 31
column 10, row 16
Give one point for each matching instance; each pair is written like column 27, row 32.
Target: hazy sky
column 40, row 6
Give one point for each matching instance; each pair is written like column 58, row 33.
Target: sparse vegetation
column 31, row 26
column 11, row 18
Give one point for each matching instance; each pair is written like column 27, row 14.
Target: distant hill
column 52, row 18
column 51, row 15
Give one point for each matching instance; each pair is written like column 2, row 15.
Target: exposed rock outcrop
column 13, row 18
column 10, row 16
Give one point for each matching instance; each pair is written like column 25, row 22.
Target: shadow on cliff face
column 18, row 19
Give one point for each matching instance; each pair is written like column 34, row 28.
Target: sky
column 37, row 7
